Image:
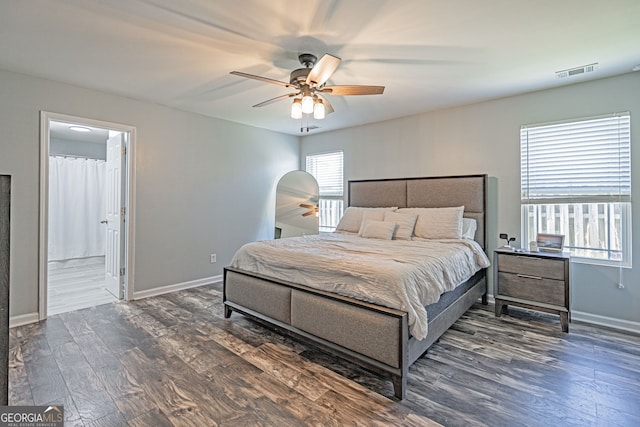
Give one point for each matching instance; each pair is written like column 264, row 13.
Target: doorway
column 86, row 201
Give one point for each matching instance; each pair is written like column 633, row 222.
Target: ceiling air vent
column 577, row 71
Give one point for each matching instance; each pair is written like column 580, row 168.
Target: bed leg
column 399, row 386
column 227, row 311
column 485, row 299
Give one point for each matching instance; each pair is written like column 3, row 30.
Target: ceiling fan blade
column 353, row 90
column 323, row 69
column 328, row 109
column 262, row 79
column 308, row 213
column 276, row 99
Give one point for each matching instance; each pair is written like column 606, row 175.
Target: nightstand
column 534, row 280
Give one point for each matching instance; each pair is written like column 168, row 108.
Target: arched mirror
column 296, row 205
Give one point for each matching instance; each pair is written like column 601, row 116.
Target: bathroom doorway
column 86, row 173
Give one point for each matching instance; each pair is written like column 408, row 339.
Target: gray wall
column 484, row 138
column 203, row 185
column 207, row 185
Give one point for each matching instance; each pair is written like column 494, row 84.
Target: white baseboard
column 609, row 322
column 177, row 287
column 596, row 319
column 23, row 319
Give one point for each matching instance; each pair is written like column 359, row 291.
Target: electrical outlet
column 213, row 258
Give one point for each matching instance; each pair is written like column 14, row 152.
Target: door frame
column 46, row 118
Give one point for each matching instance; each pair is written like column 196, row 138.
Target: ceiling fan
column 310, row 86
column 312, row 209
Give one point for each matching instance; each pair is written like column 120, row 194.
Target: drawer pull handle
column 526, row 276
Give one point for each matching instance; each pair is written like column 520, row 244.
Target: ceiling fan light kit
column 310, row 85
column 296, row 109
column 318, row 109
column 307, row 104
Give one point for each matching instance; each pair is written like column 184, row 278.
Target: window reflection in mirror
column 296, row 205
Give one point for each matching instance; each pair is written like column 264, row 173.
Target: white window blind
column 327, row 168
column 585, row 161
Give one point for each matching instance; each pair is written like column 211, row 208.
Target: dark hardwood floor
column 174, row 360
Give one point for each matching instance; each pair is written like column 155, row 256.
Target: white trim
column 626, row 233
column 45, row 118
column 23, row 319
column 177, row 287
column 576, row 119
column 43, row 226
column 596, row 319
column 609, row 322
column 129, row 276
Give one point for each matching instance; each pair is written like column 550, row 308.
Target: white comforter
column 400, row 274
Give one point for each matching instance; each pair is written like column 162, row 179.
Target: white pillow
column 437, row 223
column 352, row 218
column 405, row 222
column 469, row 226
column 378, row 230
column 368, row 215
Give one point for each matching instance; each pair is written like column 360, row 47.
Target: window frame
column 625, row 234
column 338, row 198
column 563, row 198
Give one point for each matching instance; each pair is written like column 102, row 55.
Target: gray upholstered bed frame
column 375, row 337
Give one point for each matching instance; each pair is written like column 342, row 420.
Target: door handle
column 104, row 221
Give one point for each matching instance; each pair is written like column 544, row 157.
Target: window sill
column 600, row 262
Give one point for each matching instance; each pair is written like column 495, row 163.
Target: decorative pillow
column 437, row 223
column 405, row 223
column 469, row 226
column 369, row 215
column 378, row 230
column 352, row 218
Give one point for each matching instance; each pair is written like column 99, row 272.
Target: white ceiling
column 430, row 54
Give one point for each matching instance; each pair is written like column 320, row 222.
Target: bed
column 375, row 336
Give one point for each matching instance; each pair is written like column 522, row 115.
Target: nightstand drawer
column 532, row 266
column 532, row 287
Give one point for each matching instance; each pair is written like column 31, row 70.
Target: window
column 327, row 168
column 576, row 181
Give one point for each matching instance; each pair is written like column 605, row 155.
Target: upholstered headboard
column 469, row 191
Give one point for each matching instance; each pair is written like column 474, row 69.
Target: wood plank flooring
column 77, row 286
column 174, row 360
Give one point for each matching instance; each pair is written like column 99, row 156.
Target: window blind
column 584, row 161
column 327, row 169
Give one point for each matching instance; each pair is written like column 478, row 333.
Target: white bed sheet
column 400, row 274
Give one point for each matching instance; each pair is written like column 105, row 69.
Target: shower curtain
column 76, row 207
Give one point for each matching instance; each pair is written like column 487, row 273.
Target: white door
column 115, row 215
